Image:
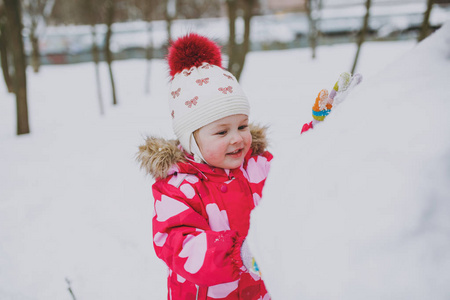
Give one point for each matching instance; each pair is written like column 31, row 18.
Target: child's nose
column 236, row 138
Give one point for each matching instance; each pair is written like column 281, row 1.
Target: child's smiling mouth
column 236, row 152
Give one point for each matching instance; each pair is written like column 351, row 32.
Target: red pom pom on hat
column 192, row 50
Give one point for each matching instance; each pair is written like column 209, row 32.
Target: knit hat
column 201, row 91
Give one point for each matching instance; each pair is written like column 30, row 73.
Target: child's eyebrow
column 229, row 124
column 222, row 125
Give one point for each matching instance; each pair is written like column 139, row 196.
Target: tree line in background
column 35, row 15
column 313, row 8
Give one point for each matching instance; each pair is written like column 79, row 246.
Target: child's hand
column 248, row 260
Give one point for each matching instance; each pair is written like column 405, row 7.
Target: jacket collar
column 161, row 158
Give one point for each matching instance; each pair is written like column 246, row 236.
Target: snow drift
column 361, row 210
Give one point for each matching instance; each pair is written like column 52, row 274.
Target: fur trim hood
column 158, row 156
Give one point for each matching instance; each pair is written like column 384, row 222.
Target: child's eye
column 243, row 127
column 222, row 132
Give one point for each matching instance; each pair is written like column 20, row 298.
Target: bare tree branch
column 362, row 34
column 425, row 28
column 110, row 11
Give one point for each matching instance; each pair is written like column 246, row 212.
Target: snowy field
column 359, row 208
column 75, row 208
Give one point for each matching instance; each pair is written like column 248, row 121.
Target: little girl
column 208, row 180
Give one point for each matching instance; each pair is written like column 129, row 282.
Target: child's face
column 225, row 142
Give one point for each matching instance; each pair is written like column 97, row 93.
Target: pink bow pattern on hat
column 202, row 81
column 176, row 93
column 228, row 76
column 191, row 102
column 206, row 66
column 227, row 89
column 187, row 73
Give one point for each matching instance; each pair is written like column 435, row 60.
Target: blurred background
column 68, row 32
column 59, row 31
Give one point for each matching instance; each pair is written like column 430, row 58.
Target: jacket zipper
column 198, row 293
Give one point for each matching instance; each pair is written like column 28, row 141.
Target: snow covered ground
column 74, row 206
column 359, row 208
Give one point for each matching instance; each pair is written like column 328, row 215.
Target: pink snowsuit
column 202, row 216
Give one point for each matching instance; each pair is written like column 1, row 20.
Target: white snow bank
column 358, row 208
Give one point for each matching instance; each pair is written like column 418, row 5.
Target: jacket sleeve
column 183, row 239
column 257, row 170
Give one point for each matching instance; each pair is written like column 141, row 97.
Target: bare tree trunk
column 96, row 58
column 4, row 62
column 232, row 16
column 170, row 13
column 169, row 29
column 90, row 16
column 237, row 53
column 425, row 29
column 311, row 11
column 13, row 15
column 248, row 13
column 148, row 56
column 36, row 12
column 35, row 53
column 362, row 34
column 110, row 11
column 149, row 51
column 4, row 53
